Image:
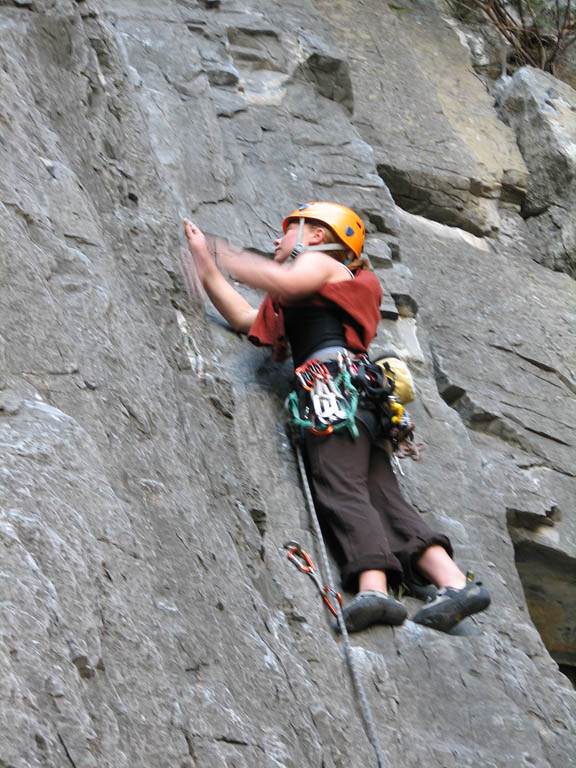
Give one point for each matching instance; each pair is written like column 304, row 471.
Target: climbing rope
column 336, row 608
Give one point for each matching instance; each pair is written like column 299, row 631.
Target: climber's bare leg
column 437, row 566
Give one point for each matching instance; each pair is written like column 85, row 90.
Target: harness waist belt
column 326, row 353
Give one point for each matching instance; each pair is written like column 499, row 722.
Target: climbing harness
column 337, row 605
column 324, row 403
column 328, row 394
column 303, row 562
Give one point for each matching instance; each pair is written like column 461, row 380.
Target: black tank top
column 309, row 328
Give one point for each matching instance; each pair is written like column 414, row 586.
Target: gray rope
column 364, row 706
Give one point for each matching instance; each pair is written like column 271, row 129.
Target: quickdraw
column 329, row 404
column 325, row 403
column 303, row 562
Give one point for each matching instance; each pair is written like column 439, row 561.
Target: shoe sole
column 447, row 614
column 372, row 610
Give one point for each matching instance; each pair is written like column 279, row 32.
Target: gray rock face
column 149, row 614
column 542, row 112
column 428, row 117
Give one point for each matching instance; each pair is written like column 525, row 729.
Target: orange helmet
column 345, row 224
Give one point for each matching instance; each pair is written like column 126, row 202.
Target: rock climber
column 322, row 300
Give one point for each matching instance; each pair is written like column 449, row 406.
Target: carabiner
column 295, row 551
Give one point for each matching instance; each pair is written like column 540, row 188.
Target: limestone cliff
column 149, row 615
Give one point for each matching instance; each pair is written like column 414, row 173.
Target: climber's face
column 284, row 245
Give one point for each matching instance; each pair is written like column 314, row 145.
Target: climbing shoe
column 370, row 607
column 452, row 605
column 424, row 593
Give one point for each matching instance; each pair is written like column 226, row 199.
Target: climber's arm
column 294, row 281
column 231, row 305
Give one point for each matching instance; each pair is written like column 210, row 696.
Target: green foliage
column 535, row 31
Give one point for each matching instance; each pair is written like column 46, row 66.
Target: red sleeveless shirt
column 359, row 298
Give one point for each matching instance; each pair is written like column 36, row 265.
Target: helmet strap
column 300, row 247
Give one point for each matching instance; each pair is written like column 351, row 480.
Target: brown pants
column 360, row 503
